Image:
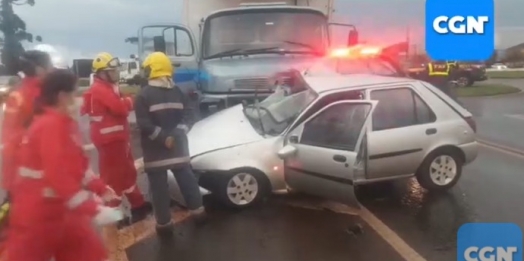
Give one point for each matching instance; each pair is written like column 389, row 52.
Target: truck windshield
column 265, row 29
column 274, row 114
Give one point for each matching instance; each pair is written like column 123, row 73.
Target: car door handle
column 339, row 158
column 431, row 131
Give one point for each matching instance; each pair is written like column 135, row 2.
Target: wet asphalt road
column 490, row 191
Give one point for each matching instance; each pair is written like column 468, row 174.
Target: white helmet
column 57, row 59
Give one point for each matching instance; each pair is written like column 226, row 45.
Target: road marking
column 392, row 238
column 515, row 116
column 501, row 148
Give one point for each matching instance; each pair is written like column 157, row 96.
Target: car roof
column 352, row 81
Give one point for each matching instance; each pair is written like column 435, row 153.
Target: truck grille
column 252, row 83
column 260, row 83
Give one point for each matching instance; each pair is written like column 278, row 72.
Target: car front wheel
column 242, row 188
column 440, row 171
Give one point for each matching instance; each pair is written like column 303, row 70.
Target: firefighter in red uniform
column 18, row 112
column 51, row 211
column 108, row 112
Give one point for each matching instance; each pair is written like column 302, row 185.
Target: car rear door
column 323, row 154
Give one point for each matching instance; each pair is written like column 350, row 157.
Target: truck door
column 178, row 43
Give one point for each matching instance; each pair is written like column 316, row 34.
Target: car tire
column 252, row 186
column 440, row 171
column 464, row 81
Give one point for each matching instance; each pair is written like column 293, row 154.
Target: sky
column 82, row 28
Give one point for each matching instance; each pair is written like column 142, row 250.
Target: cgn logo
column 489, row 242
column 461, row 30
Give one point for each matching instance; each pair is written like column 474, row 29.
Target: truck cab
column 227, row 50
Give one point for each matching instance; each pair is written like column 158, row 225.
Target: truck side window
column 183, row 44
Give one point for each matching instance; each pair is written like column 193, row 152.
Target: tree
column 14, row 30
column 132, row 40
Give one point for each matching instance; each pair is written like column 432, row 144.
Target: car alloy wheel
column 242, row 189
column 443, row 170
column 440, row 170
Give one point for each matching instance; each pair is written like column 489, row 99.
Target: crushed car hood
column 226, row 128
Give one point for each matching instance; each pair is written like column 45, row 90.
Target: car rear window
column 448, row 100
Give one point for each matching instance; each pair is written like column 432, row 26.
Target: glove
column 107, row 215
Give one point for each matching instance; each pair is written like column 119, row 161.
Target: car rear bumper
column 470, row 150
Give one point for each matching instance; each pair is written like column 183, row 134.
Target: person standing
column 18, row 113
column 109, row 129
column 162, row 115
column 52, row 212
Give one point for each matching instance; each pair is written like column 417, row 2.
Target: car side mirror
column 286, row 152
column 352, row 38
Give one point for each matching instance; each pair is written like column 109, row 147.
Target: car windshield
column 279, row 110
column 273, row 29
column 345, row 66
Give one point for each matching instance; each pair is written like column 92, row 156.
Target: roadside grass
column 486, row 90
column 505, row 74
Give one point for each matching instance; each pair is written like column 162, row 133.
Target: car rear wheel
column 464, row 81
column 242, row 188
column 440, row 171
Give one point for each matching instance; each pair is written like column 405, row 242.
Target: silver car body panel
column 261, row 152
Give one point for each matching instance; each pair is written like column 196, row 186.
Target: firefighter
column 162, row 114
column 18, row 113
column 49, row 196
column 109, row 128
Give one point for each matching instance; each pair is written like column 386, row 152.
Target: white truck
column 227, row 50
column 129, row 69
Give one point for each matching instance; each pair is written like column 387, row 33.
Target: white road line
column 392, row 238
column 501, row 148
column 515, row 116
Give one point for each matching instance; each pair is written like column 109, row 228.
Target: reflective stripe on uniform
column 78, row 199
column 129, row 190
column 166, row 162
column 182, row 127
column 96, row 118
column 89, row 176
column 112, row 129
column 155, row 133
column 433, row 73
column 30, row 173
column 167, row 105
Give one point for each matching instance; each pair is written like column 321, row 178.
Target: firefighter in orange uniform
column 108, row 112
column 51, row 211
column 18, row 112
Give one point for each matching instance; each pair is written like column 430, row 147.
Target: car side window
column 399, row 108
column 337, row 127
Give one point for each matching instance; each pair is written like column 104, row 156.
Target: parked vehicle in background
column 499, row 66
column 326, row 133
column 469, row 73
column 129, row 69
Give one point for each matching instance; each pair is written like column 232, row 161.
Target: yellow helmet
column 105, row 61
column 157, row 65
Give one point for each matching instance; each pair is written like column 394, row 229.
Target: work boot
column 165, row 231
column 199, row 215
column 140, row 213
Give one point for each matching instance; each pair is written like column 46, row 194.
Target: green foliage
column 14, row 31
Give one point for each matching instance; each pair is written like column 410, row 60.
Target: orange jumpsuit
column 110, row 134
column 18, row 114
column 51, row 209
